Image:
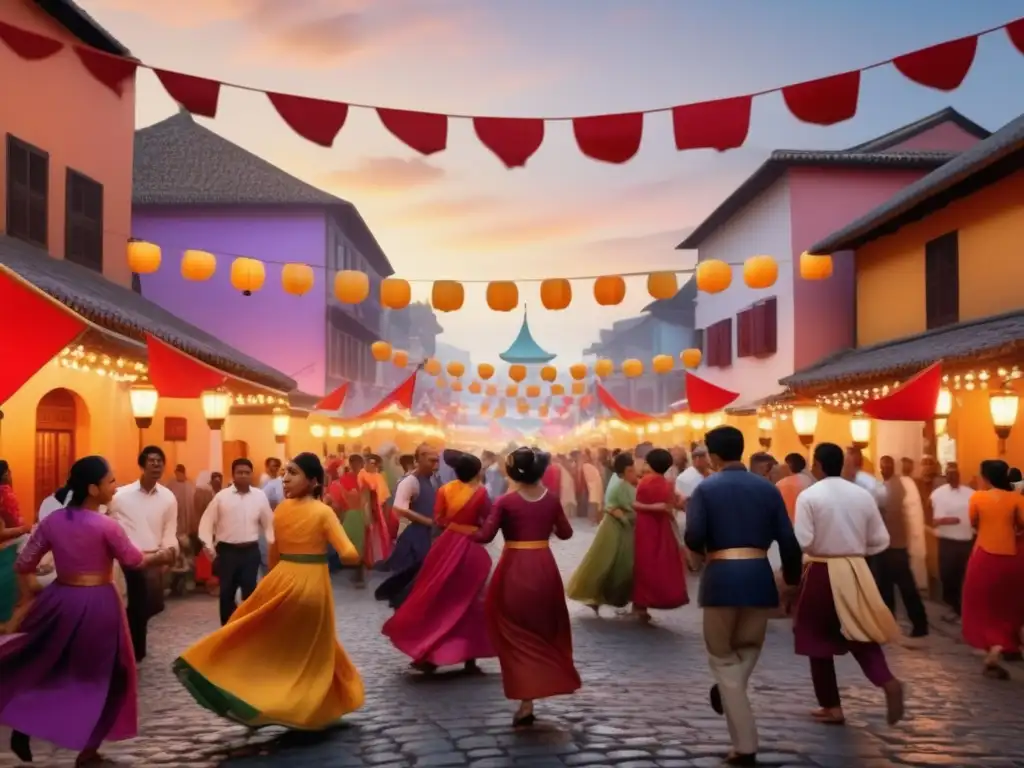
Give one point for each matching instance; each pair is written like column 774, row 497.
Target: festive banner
column 913, row 401
column 334, row 400
column 175, row 374
column 401, row 396
column 606, row 399
column 720, row 124
column 704, row 397
column 54, row 326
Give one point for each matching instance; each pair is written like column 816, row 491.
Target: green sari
column 8, row 581
column 605, row 576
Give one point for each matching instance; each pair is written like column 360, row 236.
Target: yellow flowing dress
column 278, row 660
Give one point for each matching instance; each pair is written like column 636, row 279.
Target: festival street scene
column 429, row 383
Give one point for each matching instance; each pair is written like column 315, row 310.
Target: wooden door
column 56, row 417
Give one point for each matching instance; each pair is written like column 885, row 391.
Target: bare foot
column 524, row 715
column 829, row 715
column 894, row 709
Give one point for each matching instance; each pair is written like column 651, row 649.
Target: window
column 942, row 281
column 756, row 330
column 28, row 186
column 83, row 232
column 745, row 333
column 718, row 344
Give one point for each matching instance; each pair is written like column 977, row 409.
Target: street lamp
column 318, row 431
column 860, row 431
column 943, row 407
column 143, row 400
column 805, row 422
column 281, row 422
column 765, row 425
column 216, row 405
column 1003, row 407
column 715, row 420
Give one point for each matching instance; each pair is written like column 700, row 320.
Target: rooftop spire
column 524, row 349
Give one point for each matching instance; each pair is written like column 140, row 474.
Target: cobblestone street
column 644, row 703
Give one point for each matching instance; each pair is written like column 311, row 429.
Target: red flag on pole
column 626, row 414
column 334, row 400
column 401, row 397
column 178, row 375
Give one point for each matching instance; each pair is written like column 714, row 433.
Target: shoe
column 736, row 758
column 894, row 706
column 21, row 746
column 715, row 698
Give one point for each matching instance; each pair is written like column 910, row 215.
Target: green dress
column 605, row 576
column 8, row 581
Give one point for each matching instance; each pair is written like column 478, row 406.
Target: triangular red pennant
column 943, row 66
column 514, row 140
column 196, row 94
column 704, row 397
column 110, row 70
column 608, row 401
column 610, row 138
column 1015, row 30
column 826, row 101
column 913, row 401
column 334, row 400
column 721, row 125
column 401, row 396
column 175, row 374
column 29, row 45
column 313, row 119
column 53, row 327
column 425, row 132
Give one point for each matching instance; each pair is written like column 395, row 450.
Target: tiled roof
column 125, row 312
column 83, row 26
column 964, row 341
column 984, row 163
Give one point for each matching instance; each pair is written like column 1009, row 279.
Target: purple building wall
column 284, row 331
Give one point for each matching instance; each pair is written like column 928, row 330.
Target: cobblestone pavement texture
column 643, row 704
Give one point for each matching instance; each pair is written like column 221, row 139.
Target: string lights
column 853, row 399
column 115, row 368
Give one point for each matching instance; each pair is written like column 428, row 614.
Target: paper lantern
column 502, row 296
column 815, row 267
column 247, row 275
column 713, row 276
column 400, row 358
column 556, row 294
column 198, row 266
column 578, row 371
column 533, row 391
column 691, row 358
column 549, row 373
column 351, row 287
column 297, row 279
column 381, row 351
column 579, row 388
column 484, row 408
column 143, row 258
column 662, row 285
column 441, row 383
column 604, row 368
column 632, row 368
column 485, row 371
column 610, row 290
column 511, row 390
column 523, row 407
column 456, row 386
column 447, row 296
column 517, row 372
column 455, row 369
column 475, row 388
column 760, row 272
column 491, row 390
column 432, row 367
column 543, row 411
column 557, row 389
column 395, row 293
column 499, row 412
column 663, row 364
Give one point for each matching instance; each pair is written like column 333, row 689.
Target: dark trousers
column 953, row 557
column 138, row 609
column 238, row 568
column 871, row 659
column 892, row 573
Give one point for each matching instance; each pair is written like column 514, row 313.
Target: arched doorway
column 58, row 416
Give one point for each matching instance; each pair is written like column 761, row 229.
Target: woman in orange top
column 993, row 601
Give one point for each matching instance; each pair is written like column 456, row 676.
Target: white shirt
column 149, row 519
column 872, row 485
column 236, row 518
column 275, row 491
column 264, row 479
column 688, row 481
column 406, row 492
column 835, row 517
column 953, row 502
column 51, row 504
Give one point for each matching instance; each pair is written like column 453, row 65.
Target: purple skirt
column 68, row 677
column 816, row 628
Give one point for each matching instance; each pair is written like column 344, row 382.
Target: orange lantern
column 456, row 369
column 297, row 279
column 400, row 358
column 198, row 266
column 543, row 411
column 579, row 388
column 549, row 373
column 456, row 386
column 502, row 296
column 610, row 290
column 395, row 293
column 523, row 407
column 475, row 388
column 143, row 258
column 556, row 294
column 760, row 272
column 814, row 267
column 517, row 372
column 351, row 287
column 533, row 391
column 578, row 371
column 381, row 351
column 247, row 275
column 432, row 367
column 662, row 285
column 511, row 390
column 663, row 364
column 557, row 389
column 604, row 368
column 632, row 368
column 713, row 276
column 440, row 382
column 484, row 408
column 499, row 412
column 491, row 391
column 691, row 358
column 485, row 371
column 447, row 296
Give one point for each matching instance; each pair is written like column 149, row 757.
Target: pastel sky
column 461, row 214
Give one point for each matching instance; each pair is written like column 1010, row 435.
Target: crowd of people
column 830, row 545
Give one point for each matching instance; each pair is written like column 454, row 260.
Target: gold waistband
column 85, row 579
column 737, row 553
column 825, row 558
column 527, row 544
column 460, row 528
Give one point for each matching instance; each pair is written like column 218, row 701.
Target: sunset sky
column 461, row 214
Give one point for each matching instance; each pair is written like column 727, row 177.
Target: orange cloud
column 386, row 175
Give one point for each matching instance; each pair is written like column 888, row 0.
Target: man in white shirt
column 271, row 471
column 952, row 520
column 853, row 470
column 148, row 513
column 230, row 531
column 691, row 477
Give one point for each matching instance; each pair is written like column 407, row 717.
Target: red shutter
column 719, row 338
column 746, row 328
column 765, row 333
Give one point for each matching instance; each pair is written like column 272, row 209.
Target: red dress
column 525, row 607
column 659, row 579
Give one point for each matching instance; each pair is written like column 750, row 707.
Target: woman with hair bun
column 525, row 606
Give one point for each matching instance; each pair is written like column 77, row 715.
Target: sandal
column 736, row 758
column 524, row 716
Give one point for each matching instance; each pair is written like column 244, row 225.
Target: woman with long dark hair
column 69, row 674
column 525, row 605
column 993, row 598
column 12, row 528
column 277, row 661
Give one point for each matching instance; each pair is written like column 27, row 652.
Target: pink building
column 753, row 338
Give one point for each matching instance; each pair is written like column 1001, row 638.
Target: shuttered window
column 745, row 333
column 83, row 233
column 718, row 344
column 942, row 280
column 765, row 324
column 28, row 185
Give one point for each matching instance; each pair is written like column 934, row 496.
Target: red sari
column 378, row 534
column 442, row 620
column 525, row 607
column 659, row 579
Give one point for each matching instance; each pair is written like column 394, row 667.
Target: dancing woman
column 277, row 661
column 68, row 677
column 525, row 607
column 442, row 621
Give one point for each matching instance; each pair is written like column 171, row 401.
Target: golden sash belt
column 460, row 528
column 737, row 553
column 95, row 579
column 527, row 544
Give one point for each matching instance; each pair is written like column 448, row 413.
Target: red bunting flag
column 943, row 66
column 914, row 400
column 1015, row 30
column 54, row 326
column 827, row 101
column 605, row 398
column 704, row 397
column 313, row 119
column 110, row 70
column 175, row 374
column 334, row 400
column 196, row 94
column 29, row 45
column 514, row 140
column 721, row 125
column 610, row 138
column 401, row 397
column 425, row 132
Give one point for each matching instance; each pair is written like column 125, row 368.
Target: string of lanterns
column 249, row 275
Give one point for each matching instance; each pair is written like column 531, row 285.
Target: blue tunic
column 732, row 509
column 411, row 547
